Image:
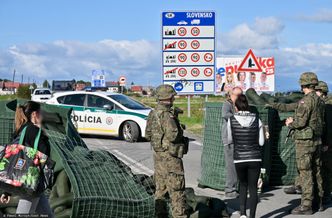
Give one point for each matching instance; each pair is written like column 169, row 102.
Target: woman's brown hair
column 242, row 103
column 23, row 113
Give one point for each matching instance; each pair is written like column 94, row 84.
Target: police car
column 105, row 113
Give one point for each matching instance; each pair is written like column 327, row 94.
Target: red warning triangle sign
column 250, row 63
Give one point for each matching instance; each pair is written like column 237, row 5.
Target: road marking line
column 134, row 162
column 197, row 143
column 132, row 167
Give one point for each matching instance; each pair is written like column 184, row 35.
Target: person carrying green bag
column 28, row 134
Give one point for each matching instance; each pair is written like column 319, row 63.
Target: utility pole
column 14, row 76
column 22, row 78
column 14, row 80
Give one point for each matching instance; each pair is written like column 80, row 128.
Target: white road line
column 197, row 143
column 133, row 168
column 134, row 162
column 100, row 142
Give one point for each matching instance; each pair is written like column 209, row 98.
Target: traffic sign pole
column 189, row 108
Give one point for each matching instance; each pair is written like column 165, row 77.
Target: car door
column 101, row 116
column 76, row 102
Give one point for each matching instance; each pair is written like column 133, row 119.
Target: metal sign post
column 189, row 114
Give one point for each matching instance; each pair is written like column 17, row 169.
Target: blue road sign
column 178, row 87
column 188, row 51
column 98, row 78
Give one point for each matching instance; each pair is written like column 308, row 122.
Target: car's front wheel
column 130, row 131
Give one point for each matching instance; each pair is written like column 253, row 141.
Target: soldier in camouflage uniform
column 169, row 145
column 322, row 91
column 308, row 128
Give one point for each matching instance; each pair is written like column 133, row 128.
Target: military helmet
column 322, row 86
column 308, row 78
column 164, row 92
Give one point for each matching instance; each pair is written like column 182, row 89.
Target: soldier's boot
column 293, row 190
column 302, row 210
column 321, row 205
column 161, row 208
column 327, row 199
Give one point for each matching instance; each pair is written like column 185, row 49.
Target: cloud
column 140, row 60
column 74, row 59
column 323, row 15
column 263, row 34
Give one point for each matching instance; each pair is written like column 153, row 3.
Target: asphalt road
column 138, row 156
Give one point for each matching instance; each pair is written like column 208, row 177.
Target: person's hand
column 267, row 106
column 5, row 199
column 325, row 148
column 289, row 121
column 267, row 135
column 266, row 132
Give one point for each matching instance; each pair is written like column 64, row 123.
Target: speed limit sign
column 195, row 72
column 195, row 31
column 195, row 44
column 195, row 57
column 182, row 57
column 208, row 57
column 188, row 51
column 182, row 31
column 182, row 72
column 182, row 44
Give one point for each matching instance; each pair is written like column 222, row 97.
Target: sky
column 68, row 39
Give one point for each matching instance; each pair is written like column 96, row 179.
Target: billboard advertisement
column 227, row 75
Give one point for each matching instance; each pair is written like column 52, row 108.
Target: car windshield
column 128, row 102
column 42, row 92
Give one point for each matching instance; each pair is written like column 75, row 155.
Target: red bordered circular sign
column 182, row 57
column 182, row 44
column 182, row 31
column 208, row 72
column 195, row 44
column 182, row 72
column 195, row 57
column 195, row 31
column 208, row 57
column 195, row 72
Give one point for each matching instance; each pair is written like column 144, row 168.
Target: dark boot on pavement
column 293, row 190
column 302, row 210
column 321, row 205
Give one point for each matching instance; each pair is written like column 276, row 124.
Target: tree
column 24, row 92
column 132, row 83
column 46, row 84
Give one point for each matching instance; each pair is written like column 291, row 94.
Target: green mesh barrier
column 102, row 185
column 283, row 162
column 212, row 161
column 278, row 157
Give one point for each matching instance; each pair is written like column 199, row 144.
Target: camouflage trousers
column 327, row 172
column 169, row 178
column 309, row 166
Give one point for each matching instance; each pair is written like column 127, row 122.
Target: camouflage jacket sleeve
column 302, row 115
column 148, row 129
column 170, row 127
column 285, row 107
